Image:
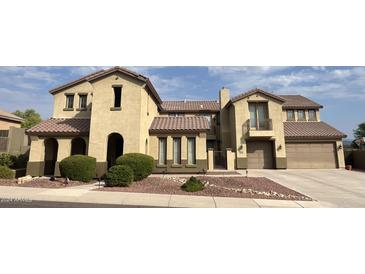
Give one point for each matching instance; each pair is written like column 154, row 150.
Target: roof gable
column 103, row 73
column 254, row 91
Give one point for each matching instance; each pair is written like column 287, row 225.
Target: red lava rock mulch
column 240, row 187
column 42, row 183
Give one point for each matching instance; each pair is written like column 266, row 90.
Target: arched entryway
column 78, row 146
column 50, row 156
column 115, row 148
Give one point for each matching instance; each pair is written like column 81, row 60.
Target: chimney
column 224, row 97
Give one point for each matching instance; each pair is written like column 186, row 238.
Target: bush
column 141, row 164
column 6, row 173
column 7, row 159
column 193, row 185
column 78, row 168
column 119, row 175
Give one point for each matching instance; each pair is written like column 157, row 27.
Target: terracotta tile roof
column 190, row 106
column 299, row 102
column 311, row 130
column 102, row 73
column 256, row 90
column 9, row 116
column 178, row 124
column 61, row 127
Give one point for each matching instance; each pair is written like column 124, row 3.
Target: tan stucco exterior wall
column 241, row 117
column 285, row 117
column 59, row 101
column 201, row 153
column 340, row 154
column 5, row 124
column 131, row 121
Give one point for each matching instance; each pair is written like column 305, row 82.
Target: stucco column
column 210, row 159
column 340, row 154
column 184, row 150
column 64, row 150
column 35, row 166
column 230, row 159
column 169, row 149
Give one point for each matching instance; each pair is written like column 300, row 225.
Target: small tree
column 360, row 131
column 30, row 116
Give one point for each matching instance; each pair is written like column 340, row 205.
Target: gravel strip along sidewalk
column 239, row 187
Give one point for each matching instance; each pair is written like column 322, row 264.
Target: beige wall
column 5, row 124
column 296, row 115
column 131, row 121
column 340, row 154
column 59, row 101
column 242, row 115
column 201, row 149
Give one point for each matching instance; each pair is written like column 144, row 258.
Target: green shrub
column 193, row 185
column 7, row 159
column 6, row 173
column 119, row 175
column 141, row 164
column 78, row 168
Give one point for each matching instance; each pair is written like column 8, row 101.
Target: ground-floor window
column 191, row 151
column 177, row 151
column 162, row 147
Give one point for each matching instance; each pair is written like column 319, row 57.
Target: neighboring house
column 117, row 111
column 12, row 138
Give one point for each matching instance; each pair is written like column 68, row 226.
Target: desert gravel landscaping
column 230, row 186
column 41, row 183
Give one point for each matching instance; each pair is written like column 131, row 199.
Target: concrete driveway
column 331, row 187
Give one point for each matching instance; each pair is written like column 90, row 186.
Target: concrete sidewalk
column 84, row 194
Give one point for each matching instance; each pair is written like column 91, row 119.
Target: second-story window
column 259, row 116
column 301, row 115
column 312, row 115
column 290, row 115
column 117, row 97
column 82, row 101
column 70, row 101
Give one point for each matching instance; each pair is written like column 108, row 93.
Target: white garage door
column 311, row 155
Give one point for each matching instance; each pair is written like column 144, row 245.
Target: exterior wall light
column 280, row 147
column 339, row 147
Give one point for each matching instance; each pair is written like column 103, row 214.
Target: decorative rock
column 25, row 179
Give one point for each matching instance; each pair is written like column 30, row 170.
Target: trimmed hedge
column 193, row 185
column 6, row 173
column 141, row 164
column 7, row 159
column 119, row 175
column 78, row 168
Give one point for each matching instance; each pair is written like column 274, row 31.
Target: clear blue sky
column 340, row 89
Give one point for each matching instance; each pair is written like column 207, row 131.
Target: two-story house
column 117, row 111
